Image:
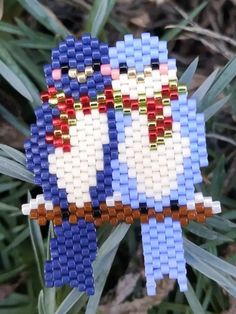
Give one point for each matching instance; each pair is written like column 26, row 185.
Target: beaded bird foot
column 116, row 139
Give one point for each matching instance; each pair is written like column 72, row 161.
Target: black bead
column 65, row 214
column 96, row 65
column 174, row 205
column 64, row 69
column 143, row 208
column 155, row 64
column 123, row 68
column 96, row 212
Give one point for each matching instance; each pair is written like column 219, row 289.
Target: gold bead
column 81, row 77
column 57, row 133
column 63, row 116
column 147, row 71
column 159, row 117
column 167, row 133
column 118, row 105
column 140, row 78
column 60, row 96
column 77, row 106
column 182, row 89
column 72, row 122
column 131, row 73
column 166, row 101
column 101, row 97
column 88, row 70
column 65, row 137
column 72, row 73
column 93, row 104
column 153, row 146
column 53, row 101
column 157, row 95
column 160, row 140
column 127, row 111
column 173, row 84
column 142, row 110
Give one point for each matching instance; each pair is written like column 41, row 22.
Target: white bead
column 25, row 208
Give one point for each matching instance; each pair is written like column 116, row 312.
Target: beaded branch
column 116, row 139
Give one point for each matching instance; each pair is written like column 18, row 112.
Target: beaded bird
column 116, row 139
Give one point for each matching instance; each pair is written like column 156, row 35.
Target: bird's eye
column 96, row 65
column 64, row 69
column 123, row 68
column 155, row 64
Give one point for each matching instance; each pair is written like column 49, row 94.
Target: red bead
column 69, row 101
column 57, row 142
column 52, row 90
column 44, row 96
column 61, row 106
column 65, row 128
column 49, row 138
column 56, row 122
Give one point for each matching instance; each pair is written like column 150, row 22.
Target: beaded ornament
column 116, row 139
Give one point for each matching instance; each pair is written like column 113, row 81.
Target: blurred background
column 202, row 37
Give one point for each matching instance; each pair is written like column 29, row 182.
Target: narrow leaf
column 13, row 153
column 175, row 32
column 187, row 76
column 224, row 77
column 37, row 243
column 193, row 300
column 15, row 170
column 99, row 15
column 14, row 81
column 213, row 109
column 44, row 16
column 204, row 87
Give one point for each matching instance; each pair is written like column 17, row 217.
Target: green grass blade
column 15, row 170
column 13, row 153
column 206, row 233
column 22, row 236
column 204, row 87
column 9, row 28
column 38, row 248
column 171, row 34
column 212, row 260
column 44, row 16
column 187, row 76
column 33, row 44
column 193, row 301
column 213, row 109
column 5, row 55
column 217, row 181
column 223, row 79
column 100, row 283
column 8, row 116
column 98, row 16
column 14, row 81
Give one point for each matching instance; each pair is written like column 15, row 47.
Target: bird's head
column 134, row 75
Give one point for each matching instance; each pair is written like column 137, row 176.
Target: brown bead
column 57, row 221
column 89, row 217
column 33, row 214
column 111, row 211
column 183, row 221
column 167, row 212
column 183, row 210
column 88, row 207
column 208, row 211
column 98, row 222
column 103, row 207
column 151, row 212
column 129, row 219
column 72, row 208
column 41, row 209
column 57, row 210
column 42, row 220
column 201, row 218
column 118, row 205
column 192, row 214
column 143, row 218
column 160, row 217
column 80, row 212
column 114, row 221
column 105, row 217
column 199, row 207
column 127, row 210
column 175, row 215
column 136, row 214
column 73, row 219
column 120, row 216
column 49, row 215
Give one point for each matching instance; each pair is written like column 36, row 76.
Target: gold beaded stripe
column 118, row 104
